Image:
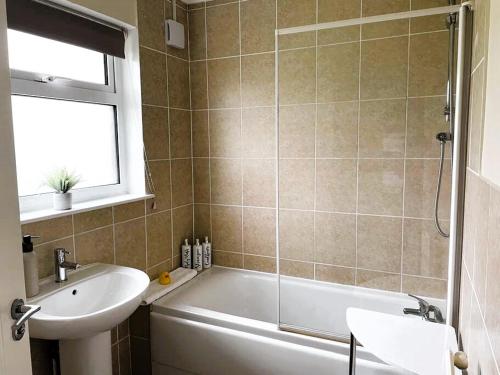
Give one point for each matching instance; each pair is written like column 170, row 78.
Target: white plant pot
column 63, row 201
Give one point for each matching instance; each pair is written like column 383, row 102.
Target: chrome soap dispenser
column 30, row 266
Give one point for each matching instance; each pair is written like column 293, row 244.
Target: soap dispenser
column 30, row 266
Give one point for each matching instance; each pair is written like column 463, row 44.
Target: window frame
column 38, row 85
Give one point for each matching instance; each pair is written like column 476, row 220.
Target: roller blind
column 50, row 22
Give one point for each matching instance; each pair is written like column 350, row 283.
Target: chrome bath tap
column 425, row 310
column 61, row 265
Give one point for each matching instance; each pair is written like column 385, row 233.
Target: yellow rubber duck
column 164, row 278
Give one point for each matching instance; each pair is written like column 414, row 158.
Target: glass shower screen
column 358, row 110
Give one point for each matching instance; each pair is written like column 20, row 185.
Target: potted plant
column 62, row 182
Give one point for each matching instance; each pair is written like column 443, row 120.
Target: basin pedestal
column 88, row 356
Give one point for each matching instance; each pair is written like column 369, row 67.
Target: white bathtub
column 224, row 322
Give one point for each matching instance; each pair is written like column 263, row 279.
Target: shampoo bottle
column 186, row 254
column 30, row 267
column 207, row 254
column 197, row 256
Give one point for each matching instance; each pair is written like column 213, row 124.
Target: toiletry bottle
column 30, row 266
column 207, row 254
column 186, row 254
column 197, row 256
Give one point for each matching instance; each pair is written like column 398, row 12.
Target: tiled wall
column 135, row 234
column 359, row 112
column 480, row 294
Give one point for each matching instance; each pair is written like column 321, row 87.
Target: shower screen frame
column 462, row 84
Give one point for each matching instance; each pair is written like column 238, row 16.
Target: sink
column 81, row 312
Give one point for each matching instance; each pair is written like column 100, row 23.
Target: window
column 66, row 113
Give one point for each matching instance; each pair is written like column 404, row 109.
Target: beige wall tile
column 481, row 242
column 96, row 246
column 224, row 83
column 428, row 64
column 296, row 13
column 201, row 179
column 225, row 133
column 226, row 228
column 257, row 80
column 337, row 275
column 202, row 221
column 425, row 252
column 130, row 244
column 160, row 172
column 262, row 264
column 382, row 125
column 465, row 309
column 155, row 130
column 338, row 72
column 335, row 239
column 151, row 23
column 259, row 182
column 259, row 231
column 476, row 119
column 178, row 81
column 420, row 188
column 180, row 133
column 182, row 221
column 297, row 72
column 425, row 120
column 197, row 36
column 159, row 237
column 384, row 68
column 470, row 220
column 381, row 186
column 378, row 280
column 379, row 243
column 182, row 188
column 199, row 126
column 336, row 181
column 492, row 318
column 49, row 230
column 297, row 269
column 258, row 21
column 430, row 23
column 225, row 259
column 153, row 77
column 89, row 220
column 296, row 233
column 45, row 255
column 338, row 35
column 199, row 84
column 296, row 183
column 297, row 131
column 128, row 211
column 337, row 130
column 258, row 133
column 154, row 272
column 223, row 37
column 480, row 31
column 300, row 40
column 389, row 28
column 226, row 181
column 424, row 287
column 336, row 10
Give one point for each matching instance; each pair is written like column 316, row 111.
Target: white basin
column 94, row 299
column 80, row 313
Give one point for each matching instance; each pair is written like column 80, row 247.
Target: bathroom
column 337, row 154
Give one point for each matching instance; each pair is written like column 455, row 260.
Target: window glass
column 31, row 53
column 52, row 134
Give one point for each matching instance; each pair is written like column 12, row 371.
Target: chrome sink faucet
column 61, row 265
column 425, row 310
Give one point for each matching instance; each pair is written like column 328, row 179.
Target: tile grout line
column 193, row 226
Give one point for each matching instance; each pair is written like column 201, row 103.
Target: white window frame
column 50, row 87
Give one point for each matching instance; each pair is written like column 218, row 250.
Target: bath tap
column 61, row 265
column 425, row 310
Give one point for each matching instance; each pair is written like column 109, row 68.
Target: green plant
column 62, row 181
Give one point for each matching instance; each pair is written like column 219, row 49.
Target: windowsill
column 30, row 217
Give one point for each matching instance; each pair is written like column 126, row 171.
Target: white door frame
column 14, row 355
